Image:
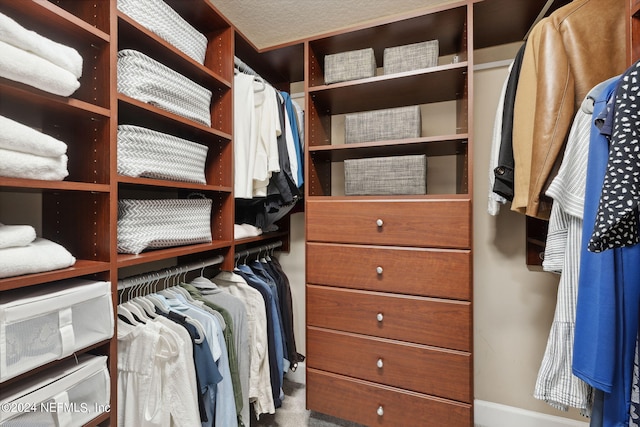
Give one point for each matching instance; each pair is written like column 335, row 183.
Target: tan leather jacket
column 579, row 46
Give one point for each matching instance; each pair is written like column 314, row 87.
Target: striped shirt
column 556, row 383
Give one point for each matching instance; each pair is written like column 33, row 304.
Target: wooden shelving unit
column 370, row 333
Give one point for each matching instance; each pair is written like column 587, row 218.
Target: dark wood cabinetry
column 389, row 310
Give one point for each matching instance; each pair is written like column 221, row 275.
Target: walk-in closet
column 232, row 213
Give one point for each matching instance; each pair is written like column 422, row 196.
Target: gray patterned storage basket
column 352, row 65
column 410, row 57
column 154, row 224
column 385, row 176
column 147, row 153
column 159, row 18
column 149, row 81
column 381, row 125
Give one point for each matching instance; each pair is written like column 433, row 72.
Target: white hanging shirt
column 244, row 136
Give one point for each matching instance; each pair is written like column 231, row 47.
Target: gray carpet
column 293, row 413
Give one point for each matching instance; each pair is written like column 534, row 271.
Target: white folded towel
column 25, row 67
column 63, row 56
column 16, row 235
column 242, row 231
column 18, row 137
column 39, row 256
column 14, row 164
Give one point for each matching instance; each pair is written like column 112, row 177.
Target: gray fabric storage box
column 410, row 57
column 381, row 125
column 386, row 175
column 352, row 65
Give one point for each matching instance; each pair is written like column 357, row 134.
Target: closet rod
column 168, row 272
column 258, row 249
column 242, row 66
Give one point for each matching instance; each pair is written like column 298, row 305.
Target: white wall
column 513, row 305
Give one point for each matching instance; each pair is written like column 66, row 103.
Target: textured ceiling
column 267, row 23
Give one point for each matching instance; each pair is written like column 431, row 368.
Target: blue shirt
column 608, row 296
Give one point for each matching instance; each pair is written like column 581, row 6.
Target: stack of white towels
column 21, row 252
column 27, row 153
column 29, row 58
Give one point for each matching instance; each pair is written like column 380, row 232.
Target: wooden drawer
column 421, row 222
column 362, row 401
column 439, row 273
column 424, row 369
column 421, row 320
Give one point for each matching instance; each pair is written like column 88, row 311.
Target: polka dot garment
column 617, row 218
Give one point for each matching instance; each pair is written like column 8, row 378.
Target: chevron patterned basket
column 147, row 153
column 155, row 224
column 149, row 81
column 166, row 23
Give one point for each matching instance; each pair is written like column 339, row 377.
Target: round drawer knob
column 379, row 222
column 380, row 363
column 380, row 411
column 379, row 316
column 379, row 270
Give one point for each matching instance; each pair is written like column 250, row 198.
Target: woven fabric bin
column 149, row 81
column 162, row 223
column 381, row 125
column 147, row 153
column 410, row 57
column 378, row 176
column 352, row 65
column 159, row 18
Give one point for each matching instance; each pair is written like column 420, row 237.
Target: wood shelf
column 149, row 182
column 438, row 84
column 445, row 145
column 80, row 268
column 127, row 260
column 15, row 90
column 39, row 185
column 158, row 113
column 54, row 22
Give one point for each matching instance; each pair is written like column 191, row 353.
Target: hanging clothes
column 609, row 289
column 205, row 290
column 556, row 383
column 245, row 140
column 260, row 392
column 156, row 376
column 502, row 162
column 268, row 153
column 274, row 334
column 575, row 48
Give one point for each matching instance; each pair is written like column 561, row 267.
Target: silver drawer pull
column 379, row 316
column 380, row 411
column 380, row 363
column 379, row 222
column 379, row 270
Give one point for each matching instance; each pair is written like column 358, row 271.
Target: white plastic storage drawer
column 47, row 323
column 67, row 395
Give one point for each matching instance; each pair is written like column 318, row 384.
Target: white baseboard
column 488, row 414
